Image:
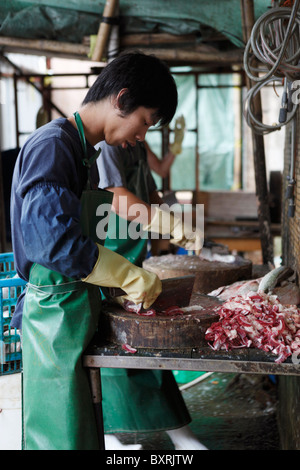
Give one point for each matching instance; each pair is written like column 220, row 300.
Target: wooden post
column 263, row 210
column 95, row 385
column 104, row 30
column 165, row 147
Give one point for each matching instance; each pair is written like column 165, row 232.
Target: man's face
column 126, row 130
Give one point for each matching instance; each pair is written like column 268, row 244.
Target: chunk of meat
column 256, row 320
column 129, row 349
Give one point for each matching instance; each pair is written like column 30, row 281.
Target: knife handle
column 113, row 291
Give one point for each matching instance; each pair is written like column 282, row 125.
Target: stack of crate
column 11, row 287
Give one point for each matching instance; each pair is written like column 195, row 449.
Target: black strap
column 113, row 20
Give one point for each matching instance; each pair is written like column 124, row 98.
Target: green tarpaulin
column 72, row 19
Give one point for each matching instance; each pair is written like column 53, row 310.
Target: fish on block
column 276, row 282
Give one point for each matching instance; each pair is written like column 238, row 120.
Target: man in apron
column 138, row 400
column 56, row 252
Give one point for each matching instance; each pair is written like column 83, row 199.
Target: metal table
column 252, row 361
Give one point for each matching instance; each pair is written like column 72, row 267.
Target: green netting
column 72, row 19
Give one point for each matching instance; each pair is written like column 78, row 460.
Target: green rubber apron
column 138, row 400
column 59, row 320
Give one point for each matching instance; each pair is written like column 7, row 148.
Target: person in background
column 162, row 166
column 54, row 197
column 141, row 400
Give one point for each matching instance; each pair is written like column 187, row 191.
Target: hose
column 252, row 121
column 275, row 44
column 196, row 381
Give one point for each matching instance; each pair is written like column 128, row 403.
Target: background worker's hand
column 187, row 237
column 176, row 147
column 113, row 270
column 182, row 234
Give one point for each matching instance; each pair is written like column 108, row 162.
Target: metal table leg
column 95, row 382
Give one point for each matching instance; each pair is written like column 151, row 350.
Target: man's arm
column 162, row 166
column 121, row 206
column 159, row 166
column 123, row 200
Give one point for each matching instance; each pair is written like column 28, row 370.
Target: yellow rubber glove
column 182, row 234
column 113, row 270
column 176, row 147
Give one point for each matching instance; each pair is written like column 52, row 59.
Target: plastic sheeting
column 215, row 119
column 73, row 19
column 216, row 136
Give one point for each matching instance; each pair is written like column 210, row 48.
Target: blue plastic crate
column 10, row 289
column 7, row 265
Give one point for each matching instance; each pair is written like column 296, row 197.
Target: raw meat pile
column 257, row 320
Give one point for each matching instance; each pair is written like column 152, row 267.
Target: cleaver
column 175, row 291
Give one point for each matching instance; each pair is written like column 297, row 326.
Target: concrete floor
column 10, row 412
column 229, row 412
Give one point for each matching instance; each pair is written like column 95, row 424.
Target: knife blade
column 175, row 291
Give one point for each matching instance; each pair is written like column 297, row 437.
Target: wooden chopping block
column 208, row 274
column 161, row 331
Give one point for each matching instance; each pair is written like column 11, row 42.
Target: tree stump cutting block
column 161, row 331
column 208, row 274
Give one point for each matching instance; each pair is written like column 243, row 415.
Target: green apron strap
column 81, row 134
column 91, row 199
column 88, row 162
column 58, row 289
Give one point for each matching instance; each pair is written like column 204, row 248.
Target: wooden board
column 208, row 274
column 160, row 331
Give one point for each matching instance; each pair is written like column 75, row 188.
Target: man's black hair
column 147, row 79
